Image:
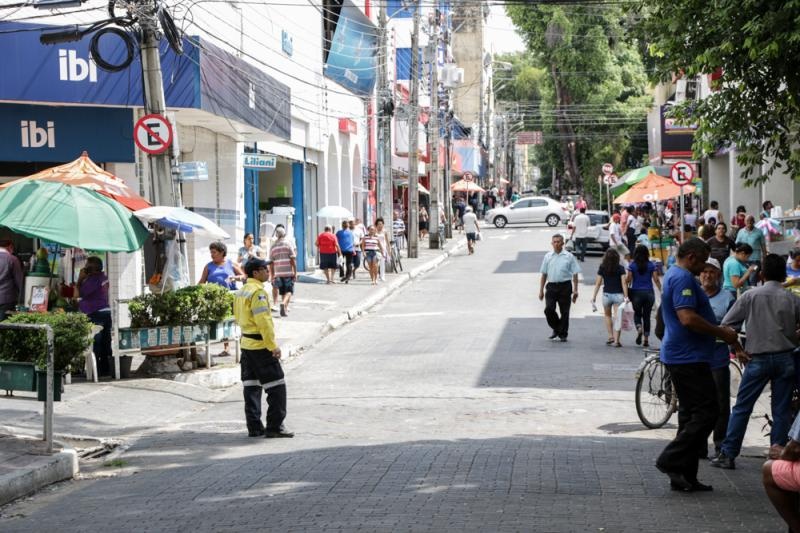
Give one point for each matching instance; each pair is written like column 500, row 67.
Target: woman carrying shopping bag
column 642, row 275
column 611, row 276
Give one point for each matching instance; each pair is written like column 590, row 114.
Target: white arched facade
column 359, row 189
column 332, row 195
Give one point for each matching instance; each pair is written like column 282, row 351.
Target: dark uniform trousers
column 262, row 371
column 558, row 294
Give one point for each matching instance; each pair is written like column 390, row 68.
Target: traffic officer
column 261, row 367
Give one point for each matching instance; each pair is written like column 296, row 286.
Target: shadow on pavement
column 522, row 483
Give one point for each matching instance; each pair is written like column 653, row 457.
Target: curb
column 52, row 469
column 226, row 377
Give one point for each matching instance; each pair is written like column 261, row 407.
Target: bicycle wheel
column 655, row 396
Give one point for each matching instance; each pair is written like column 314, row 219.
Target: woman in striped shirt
column 372, row 247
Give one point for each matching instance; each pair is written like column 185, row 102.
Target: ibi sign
column 259, row 162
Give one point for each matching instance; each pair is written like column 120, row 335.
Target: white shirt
column 614, row 233
column 711, row 213
column 358, row 235
column 471, row 223
column 581, row 222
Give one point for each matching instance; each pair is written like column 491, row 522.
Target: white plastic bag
column 627, row 317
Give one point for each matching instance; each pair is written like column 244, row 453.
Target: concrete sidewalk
column 111, row 414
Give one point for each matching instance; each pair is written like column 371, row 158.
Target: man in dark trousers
column 11, row 278
column 559, row 272
column 261, row 367
column 687, row 351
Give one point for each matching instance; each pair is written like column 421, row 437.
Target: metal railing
column 48, row 404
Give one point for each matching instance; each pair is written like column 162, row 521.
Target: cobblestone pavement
column 441, row 411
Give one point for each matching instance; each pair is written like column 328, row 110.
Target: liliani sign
column 258, row 161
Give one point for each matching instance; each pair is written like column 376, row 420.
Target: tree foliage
column 755, row 46
column 592, row 102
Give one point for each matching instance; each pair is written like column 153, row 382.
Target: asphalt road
column 446, row 409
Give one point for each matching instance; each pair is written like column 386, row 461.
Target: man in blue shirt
column 560, row 272
column 687, row 350
column 345, row 239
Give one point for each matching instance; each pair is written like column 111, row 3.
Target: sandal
column 609, row 342
column 618, row 345
column 645, row 344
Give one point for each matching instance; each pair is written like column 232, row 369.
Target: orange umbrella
column 652, row 188
column 466, row 186
column 83, row 172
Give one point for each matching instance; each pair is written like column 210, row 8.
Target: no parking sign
column 153, row 134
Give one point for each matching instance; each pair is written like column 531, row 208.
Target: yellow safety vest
column 251, row 307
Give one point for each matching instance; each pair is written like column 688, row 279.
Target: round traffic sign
column 681, row 173
column 610, row 179
column 608, row 168
column 153, row 134
column 467, row 176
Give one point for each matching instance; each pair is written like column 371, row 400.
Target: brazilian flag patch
column 686, row 292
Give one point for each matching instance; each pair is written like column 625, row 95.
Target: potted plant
column 72, row 335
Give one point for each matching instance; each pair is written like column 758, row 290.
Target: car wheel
column 552, row 220
column 500, row 221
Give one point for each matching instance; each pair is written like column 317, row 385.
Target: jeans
column 561, row 294
column 580, row 247
column 642, row 301
column 102, row 342
column 778, row 370
column 697, row 415
column 348, row 261
column 722, row 379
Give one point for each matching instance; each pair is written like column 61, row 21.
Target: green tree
column 592, row 103
column 755, row 47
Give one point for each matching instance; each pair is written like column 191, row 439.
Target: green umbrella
column 70, row 216
column 630, row 178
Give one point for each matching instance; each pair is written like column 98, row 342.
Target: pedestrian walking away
column 721, row 301
column 472, row 229
column 260, row 365
column 346, row 244
column 282, row 271
column 772, row 315
column 559, row 286
column 611, row 276
column 580, row 232
column 328, row 248
column 686, row 350
column 642, row 275
column 383, row 236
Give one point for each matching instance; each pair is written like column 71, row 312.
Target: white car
column 528, row 210
column 598, row 232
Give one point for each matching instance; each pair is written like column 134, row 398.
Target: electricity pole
column 384, row 124
column 433, row 128
column 162, row 186
column 413, row 127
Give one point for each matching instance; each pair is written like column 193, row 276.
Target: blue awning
column 205, row 77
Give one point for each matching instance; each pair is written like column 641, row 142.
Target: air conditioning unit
column 458, row 76
column 452, row 76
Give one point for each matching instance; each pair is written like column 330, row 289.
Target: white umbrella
column 334, row 211
column 181, row 219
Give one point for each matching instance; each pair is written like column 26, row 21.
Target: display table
column 168, row 340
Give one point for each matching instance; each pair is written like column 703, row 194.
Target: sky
column 500, row 32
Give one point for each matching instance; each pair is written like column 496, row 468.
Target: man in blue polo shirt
column 687, row 350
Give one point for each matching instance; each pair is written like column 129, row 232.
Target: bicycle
column 656, row 399
column 395, row 259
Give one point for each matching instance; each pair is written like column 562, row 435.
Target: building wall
column 468, row 50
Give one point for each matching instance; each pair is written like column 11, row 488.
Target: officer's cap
column 253, row 265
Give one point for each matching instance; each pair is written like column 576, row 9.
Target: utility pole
column 433, row 128
column 413, row 127
column 162, row 187
column 384, row 124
